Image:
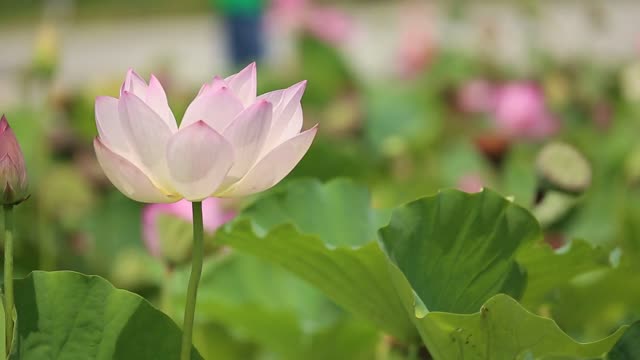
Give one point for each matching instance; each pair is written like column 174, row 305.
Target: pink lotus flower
column 476, row 96
column 230, row 141
column 13, row 173
column 213, row 216
column 520, row 111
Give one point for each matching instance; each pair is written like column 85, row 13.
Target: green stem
column 8, row 275
column 194, row 279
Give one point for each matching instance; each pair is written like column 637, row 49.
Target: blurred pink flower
column 520, row 111
column 417, row 46
column 471, row 183
column 476, row 96
column 213, row 216
column 328, row 24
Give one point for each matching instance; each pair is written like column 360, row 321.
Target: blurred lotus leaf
column 397, row 119
column 135, row 269
column 66, row 196
column 324, row 67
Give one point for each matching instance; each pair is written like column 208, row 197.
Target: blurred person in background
column 244, row 24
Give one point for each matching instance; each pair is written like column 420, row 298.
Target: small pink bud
column 13, row 174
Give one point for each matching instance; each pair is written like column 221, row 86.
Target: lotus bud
column 13, row 174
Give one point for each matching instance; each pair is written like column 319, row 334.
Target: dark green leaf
column 458, row 249
column 67, row 315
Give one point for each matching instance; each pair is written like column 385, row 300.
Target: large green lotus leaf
column 628, row 347
column 458, row 249
column 548, row 269
column 67, row 315
column 475, row 237
column 503, row 329
column 355, row 278
column 326, row 235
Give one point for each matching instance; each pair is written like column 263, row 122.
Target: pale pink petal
column 285, row 104
column 199, row 158
column 247, row 134
column 110, row 127
column 148, row 135
column 294, row 126
column 128, row 178
column 157, row 100
column 217, row 108
column 244, row 84
column 271, row 169
column 134, row 84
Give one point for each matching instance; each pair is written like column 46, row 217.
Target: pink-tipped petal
column 148, row 135
column 199, row 159
column 157, row 100
column 216, row 84
column 271, row 169
column 247, row 134
column 285, row 104
column 217, row 108
column 110, row 127
column 128, row 178
column 134, row 84
column 244, row 84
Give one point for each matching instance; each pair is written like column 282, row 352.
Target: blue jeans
column 245, row 37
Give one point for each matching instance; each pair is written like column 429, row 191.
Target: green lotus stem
column 194, row 279
column 8, row 275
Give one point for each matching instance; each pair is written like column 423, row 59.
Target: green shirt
column 239, row 6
